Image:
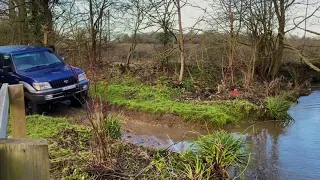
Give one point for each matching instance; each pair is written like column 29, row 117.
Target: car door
column 7, row 74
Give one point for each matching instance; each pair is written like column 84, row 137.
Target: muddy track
column 151, row 130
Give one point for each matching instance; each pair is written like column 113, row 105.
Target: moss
column 160, row 99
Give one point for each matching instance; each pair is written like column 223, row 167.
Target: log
column 24, row 159
column 17, row 111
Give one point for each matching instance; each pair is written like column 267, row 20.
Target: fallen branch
column 303, row 58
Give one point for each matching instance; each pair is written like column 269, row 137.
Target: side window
column 7, row 61
column 1, row 61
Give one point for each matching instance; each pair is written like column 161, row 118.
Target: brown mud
column 160, row 131
column 149, row 130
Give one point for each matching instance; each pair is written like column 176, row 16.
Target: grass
column 69, row 147
column 208, row 157
column 44, row 126
column 160, row 99
column 278, row 108
column 113, row 126
column 71, row 155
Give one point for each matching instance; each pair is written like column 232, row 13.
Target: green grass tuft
column 278, row 108
column 113, row 126
column 160, row 99
column 208, row 157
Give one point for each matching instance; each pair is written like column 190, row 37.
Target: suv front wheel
column 79, row 100
column 32, row 108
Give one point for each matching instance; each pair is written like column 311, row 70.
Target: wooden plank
column 4, row 108
column 17, row 111
column 24, row 159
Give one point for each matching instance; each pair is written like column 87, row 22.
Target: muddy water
column 279, row 150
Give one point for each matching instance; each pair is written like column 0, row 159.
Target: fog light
column 48, row 97
column 85, row 87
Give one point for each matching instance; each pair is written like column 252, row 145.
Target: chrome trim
column 63, row 95
column 59, row 89
column 28, row 86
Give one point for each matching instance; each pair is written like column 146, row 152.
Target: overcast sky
column 191, row 14
column 194, row 10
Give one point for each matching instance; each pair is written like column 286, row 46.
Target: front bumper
column 58, row 94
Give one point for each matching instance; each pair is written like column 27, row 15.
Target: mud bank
column 149, row 130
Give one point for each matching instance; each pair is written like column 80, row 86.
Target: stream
column 279, row 150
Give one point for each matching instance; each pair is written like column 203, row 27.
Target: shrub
column 278, row 108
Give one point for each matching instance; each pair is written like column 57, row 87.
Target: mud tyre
column 79, row 100
column 32, row 108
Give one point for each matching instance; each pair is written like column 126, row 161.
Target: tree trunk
column 280, row 12
column 182, row 58
column 132, row 48
column 21, row 21
column 100, row 44
column 24, row 23
column 231, row 44
column 93, row 40
column 48, row 29
column 13, row 19
column 36, row 23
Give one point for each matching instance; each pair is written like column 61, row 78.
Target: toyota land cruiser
column 44, row 75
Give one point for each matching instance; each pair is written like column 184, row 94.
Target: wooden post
column 17, row 111
column 24, row 159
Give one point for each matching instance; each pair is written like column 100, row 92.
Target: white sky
column 191, row 14
column 194, row 11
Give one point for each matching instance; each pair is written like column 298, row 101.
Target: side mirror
column 7, row 69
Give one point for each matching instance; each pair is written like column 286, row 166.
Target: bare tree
column 181, row 45
column 162, row 15
column 137, row 10
column 280, row 7
column 96, row 12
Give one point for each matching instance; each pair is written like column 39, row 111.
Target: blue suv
column 44, row 75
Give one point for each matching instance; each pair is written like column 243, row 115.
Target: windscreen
column 34, row 60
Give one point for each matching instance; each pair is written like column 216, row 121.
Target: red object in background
column 235, row 92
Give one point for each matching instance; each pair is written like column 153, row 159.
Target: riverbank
column 74, row 152
column 273, row 144
column 226, row 108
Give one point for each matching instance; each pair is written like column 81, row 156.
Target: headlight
column 41, row 86
column 82, row 77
